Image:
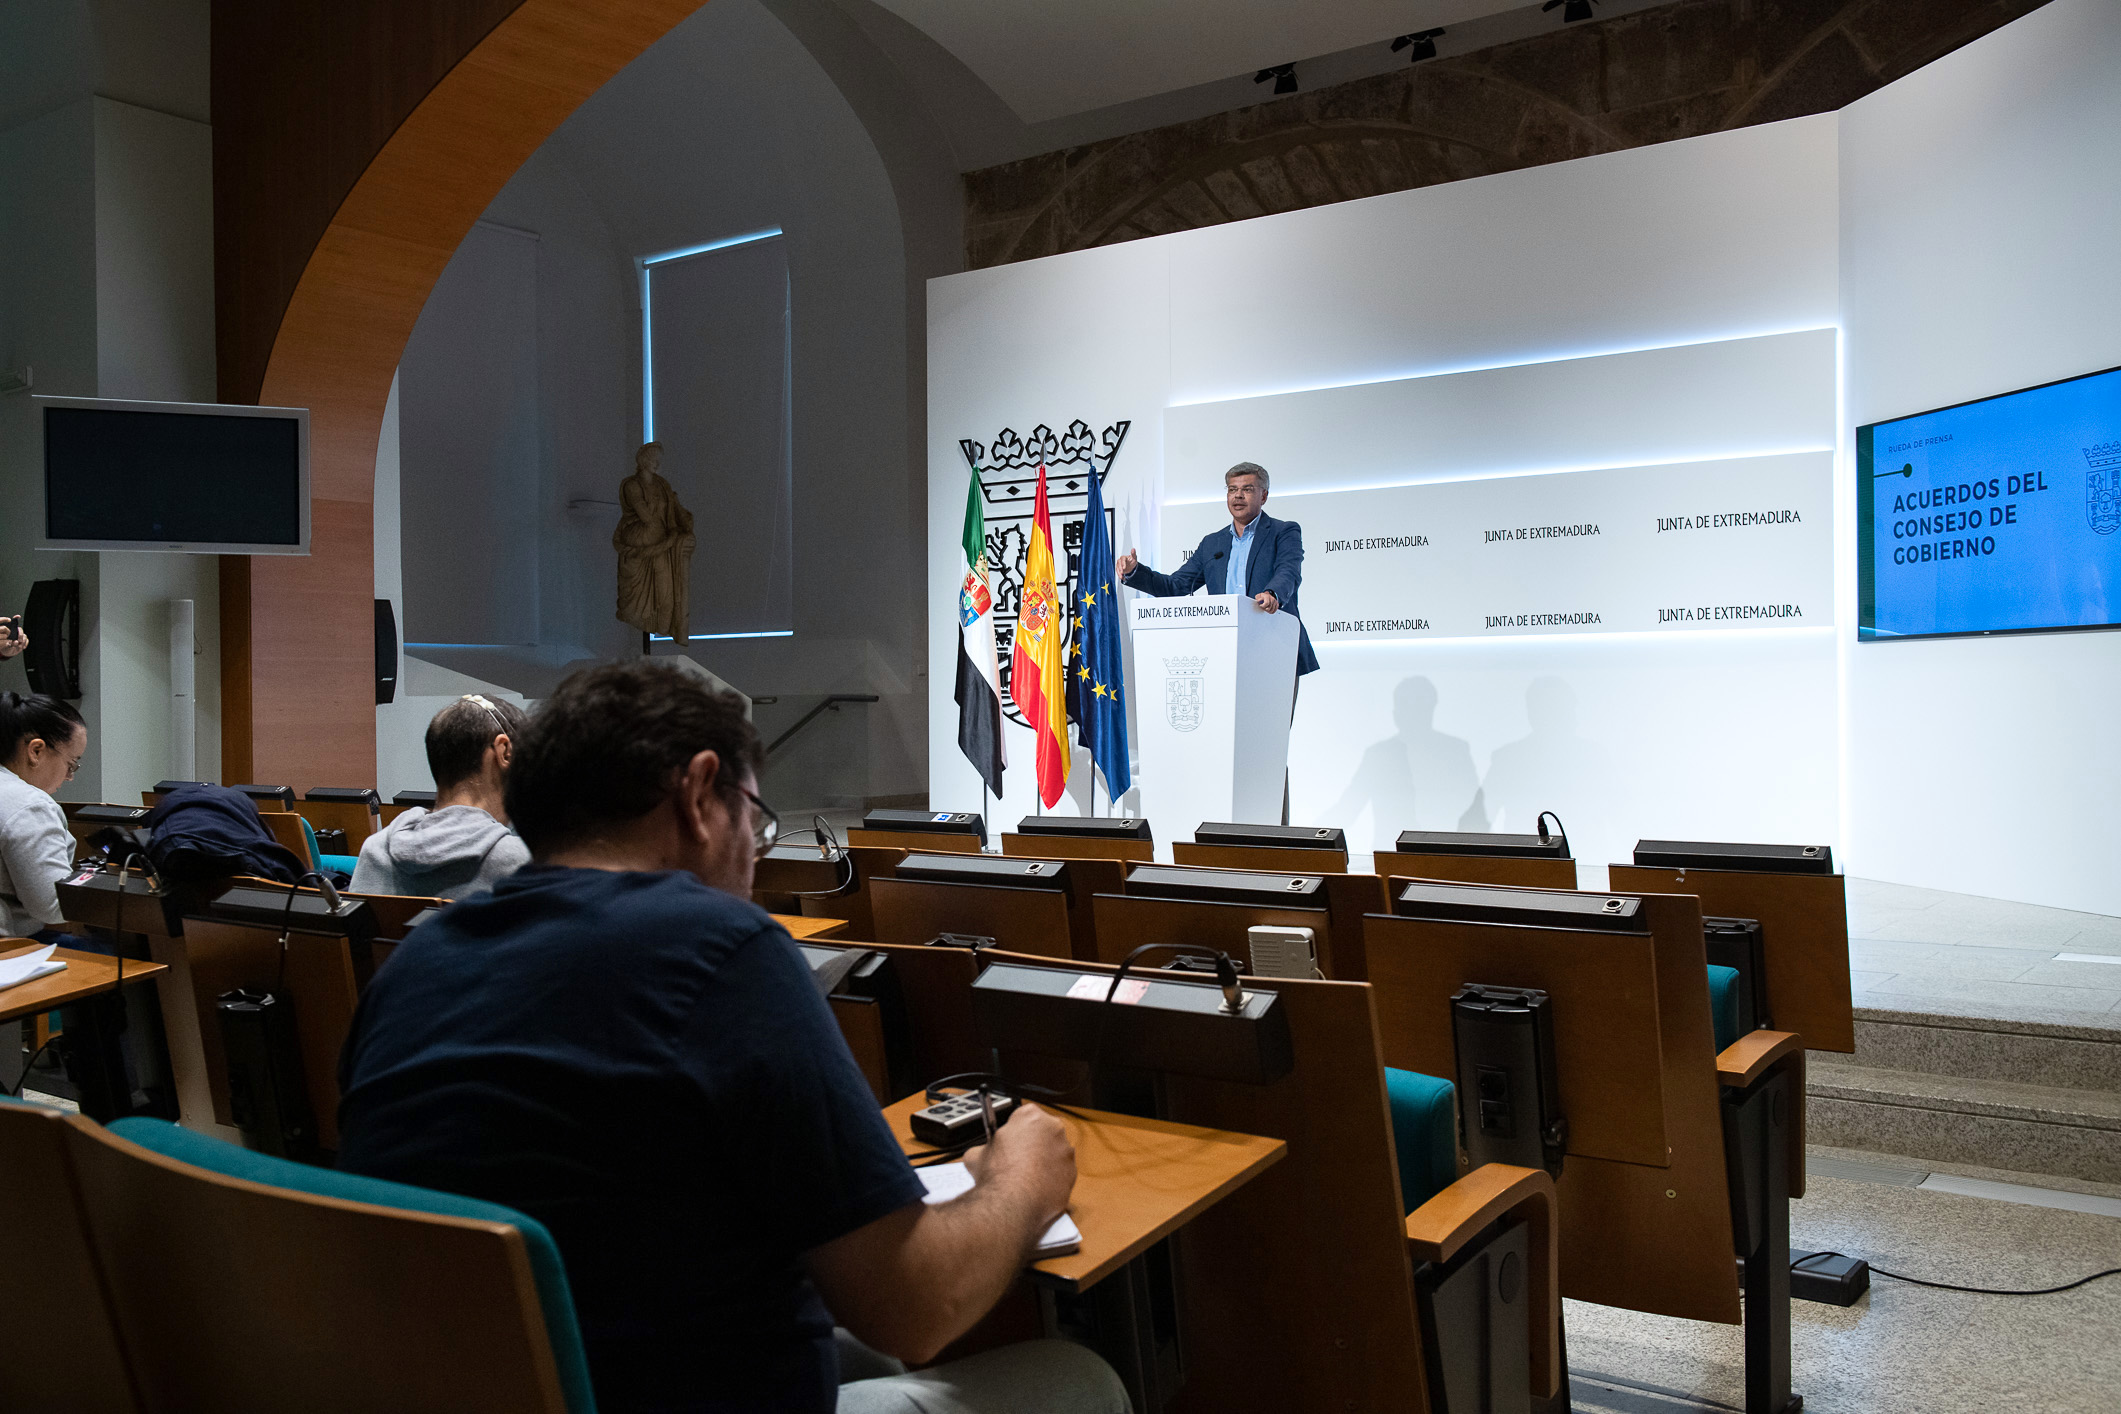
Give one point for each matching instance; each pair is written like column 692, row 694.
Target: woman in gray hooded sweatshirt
column 463, row 845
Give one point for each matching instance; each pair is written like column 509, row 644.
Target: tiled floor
column 1901, row 1348
column 1926, row 950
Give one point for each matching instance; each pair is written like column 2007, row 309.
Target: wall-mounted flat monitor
column 2001, row 515
column 201, row 478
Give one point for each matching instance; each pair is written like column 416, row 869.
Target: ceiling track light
column 1284, row 76
column 1422, row 42
column 1571, row 10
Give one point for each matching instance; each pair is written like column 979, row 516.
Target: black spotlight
column 1423, row 44
column 1284, row 76
column 1577, row 9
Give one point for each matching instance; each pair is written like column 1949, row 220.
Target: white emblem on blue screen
column 2102, row 487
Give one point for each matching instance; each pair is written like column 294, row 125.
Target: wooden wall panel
column 304, row 95
column 354, row 145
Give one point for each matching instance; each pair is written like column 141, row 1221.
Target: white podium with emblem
column 1214, row 680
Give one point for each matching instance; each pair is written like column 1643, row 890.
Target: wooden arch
column 297, row 633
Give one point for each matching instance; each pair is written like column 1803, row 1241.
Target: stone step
column 2076, row 1056
column 2003, row 1124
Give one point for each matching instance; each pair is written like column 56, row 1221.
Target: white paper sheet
column 947, row 1181
column 29, row 967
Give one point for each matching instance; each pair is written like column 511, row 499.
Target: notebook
column 947, row 1181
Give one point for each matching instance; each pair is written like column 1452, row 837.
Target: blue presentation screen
column 1997, row 516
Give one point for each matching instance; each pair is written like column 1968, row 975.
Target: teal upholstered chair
column 79, row 1360
column 1424, row 1133
column 1723, row 1005
column 1425, row 1127
column 246, row 1281
column 344, row 863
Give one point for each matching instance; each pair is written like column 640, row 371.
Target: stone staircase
column 2024, row 1096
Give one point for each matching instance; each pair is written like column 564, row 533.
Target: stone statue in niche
column 654, row 541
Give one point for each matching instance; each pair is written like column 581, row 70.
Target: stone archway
column 297, row 660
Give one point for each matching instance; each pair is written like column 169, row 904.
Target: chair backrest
column 915, row 839
column 1324, row 1230
column 357, row 818
column 1478, row 869
column 1273, row 860
column 79, row 1364
column 911, row 912
column 1804, row 925
column 242, row 1282
column 293, row 834
column 868, row 863
column 1644, row 1194
column 1066, row 847
column 317, row 974
column 1125, row 920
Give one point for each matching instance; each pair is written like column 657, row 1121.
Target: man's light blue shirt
column 1241, row 538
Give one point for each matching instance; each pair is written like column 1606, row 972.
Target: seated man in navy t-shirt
column 618, row 1043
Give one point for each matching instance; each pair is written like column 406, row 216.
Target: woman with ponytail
column 42, row 740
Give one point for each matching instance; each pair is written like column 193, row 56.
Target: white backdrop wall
column 1497, row 327
column 1981, row 252
column 1744, row 299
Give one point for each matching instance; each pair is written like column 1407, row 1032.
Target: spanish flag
column 1035, row 662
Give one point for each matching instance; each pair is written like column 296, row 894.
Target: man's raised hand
column 1126, row 564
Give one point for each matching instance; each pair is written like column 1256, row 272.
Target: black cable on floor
column 1877, row 1270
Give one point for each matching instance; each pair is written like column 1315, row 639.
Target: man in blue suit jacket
column 1268, row 554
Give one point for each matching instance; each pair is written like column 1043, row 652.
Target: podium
column 1214, row 681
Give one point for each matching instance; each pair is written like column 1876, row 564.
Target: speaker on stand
column 52, row 619
column 386, row 653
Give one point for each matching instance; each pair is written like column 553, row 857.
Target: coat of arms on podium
column 2102, row 487
column 1185, row 683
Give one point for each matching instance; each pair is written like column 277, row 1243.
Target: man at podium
column 1254, row 554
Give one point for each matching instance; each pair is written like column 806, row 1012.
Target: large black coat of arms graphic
column 1007, row 469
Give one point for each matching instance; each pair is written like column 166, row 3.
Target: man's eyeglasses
column 767, row 829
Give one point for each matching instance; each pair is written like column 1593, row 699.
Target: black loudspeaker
column 386, row 653
column 52, row 619
column 1509, row 1105
column 1739, row 943
column 266, row 1094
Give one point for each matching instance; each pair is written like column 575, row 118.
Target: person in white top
column 42, row 741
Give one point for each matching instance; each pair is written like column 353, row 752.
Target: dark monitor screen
column 154, row 477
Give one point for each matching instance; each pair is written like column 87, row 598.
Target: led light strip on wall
column 648, row 262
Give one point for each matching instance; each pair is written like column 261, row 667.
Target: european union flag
column 1097, row 689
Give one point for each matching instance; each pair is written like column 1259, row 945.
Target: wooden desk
column 88, row 984
column 1137, row 1182
column 87, row 975
column 812, row 929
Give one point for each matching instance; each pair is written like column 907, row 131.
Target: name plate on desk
column 1214, row 609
